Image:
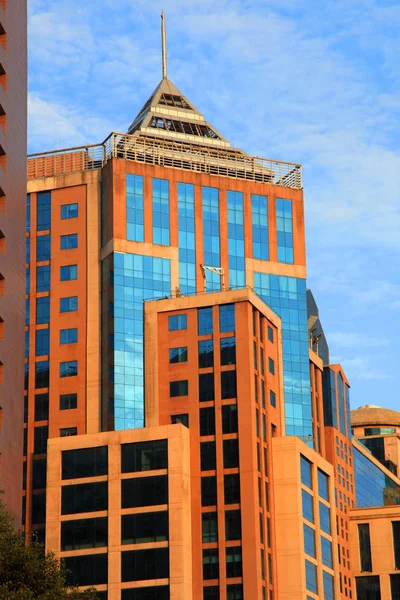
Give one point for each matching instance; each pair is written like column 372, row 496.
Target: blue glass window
column 329, row 383
column 69, row 304
column 27, row 312
column 236, row 259
column 177, row 322
column 206, row 354
column 69, row 336
column 228, row 351
column 134, row 208
column 43, row 310
column 205, row 321
column 28, row 213
column 42, row 342
column 270, row 334
column 272, row 398
column 323, row 485
column 178, row 355
column 284, row 230
column 271, row 366
column 324, row 518
column 341, row 401
column 28, row 281
column 347, row 392
column 308, row 506
column 68, row 242
column 329, row 590
column 227, row 318
column 306, row 472
column 326, row 551
column 69, row 211
column 69, row 368
column 43, row 211
column 43, row 250
column 309, row 540
column 311, row 577
column 68, row 272
column 161, row 212
column 42, row 374
column 259, row 205
column 373, row 486
column 43, row 278
column 28, row 250
column 26, row 344
column 211, row 237
column 186, row 238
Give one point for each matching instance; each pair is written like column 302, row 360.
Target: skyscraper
column 13, row 92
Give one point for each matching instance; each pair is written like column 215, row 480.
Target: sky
column 308, row 81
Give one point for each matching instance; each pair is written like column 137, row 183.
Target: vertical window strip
column 284, row 230
column 186, row 239
column 236, row 259
column 259, row 206
column 134, row 208
column 160, row 191
column 211, row 236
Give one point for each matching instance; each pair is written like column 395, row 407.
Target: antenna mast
column 164, row 46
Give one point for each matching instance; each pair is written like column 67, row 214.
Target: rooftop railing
column 168, row 153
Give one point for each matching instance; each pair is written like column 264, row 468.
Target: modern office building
column 13, row 94
column 186, row 435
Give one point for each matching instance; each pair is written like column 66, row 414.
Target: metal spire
column 164, row 46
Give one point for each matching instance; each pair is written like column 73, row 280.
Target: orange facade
column 13, row 91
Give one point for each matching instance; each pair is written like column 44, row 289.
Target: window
column 234, row 562
column 68, row 242
column 27, row 312
column 309, row 540
column 324, row 517
column 84, row 497
column 42, row 374
column 308, row 506
column 228, row 351
column 235, row 592
column 43, row 247
column 28, row 281
column 271, row 366
column 231, row 453
column 229, row 418
column 86, row 570
column 43, row 278
column 161, row 212
column 68, row 401
column 69, row 336
column 159, row 592
column 211, row 592
column 210, row 563
column 143, row 528
column 43, row 211
column 42, row 342
column 182, row 418
column 306, row 472
column 134, row 208
column 206, row 354
column 69, row 304
column 228, row 384
column 368, row 588
column 233, row 527
column 206, row 387
column 205, row 323
column 260, row 226
column 68, row 431
column 39, row 474
column 144, row 491
column 178, row 355
column 227, row 318
column 329, row 593
column 69, row 211
column 270, row 334
column 232, row 489
column 43, row 310
column 364, row 541
column 40, row 439
column 208, row 491
column 138, row 565
column 177, row 322
column 68, row 272
column 69, row 368
column 38, row 508
column 85, row 462
column 311, row 577
column 209, row 527
column 41, row 407
column 396, row 543
column 272, row 398
column 284, row 230
column 207, row 421
column 395, row 586
column 144, row 456
column 207, row 456
column 323, row 485
column 84, row 533
column 326, row 551
column 178, row 388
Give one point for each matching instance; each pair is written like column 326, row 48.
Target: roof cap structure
column 371, row 414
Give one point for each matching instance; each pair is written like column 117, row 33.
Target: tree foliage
column 26, row 572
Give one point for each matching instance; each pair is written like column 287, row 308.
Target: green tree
column 26, row 572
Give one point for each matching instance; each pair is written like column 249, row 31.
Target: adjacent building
column 13, row 101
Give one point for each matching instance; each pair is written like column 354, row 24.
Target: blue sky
column 314, row 82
